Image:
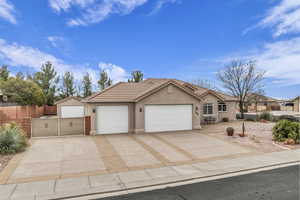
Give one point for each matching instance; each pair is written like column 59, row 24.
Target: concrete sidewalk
column 134, row 181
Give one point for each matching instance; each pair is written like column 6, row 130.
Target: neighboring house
column 259, row 103
column 70, row 107
column 291, row 105
column 156, row 105
column 297, row 104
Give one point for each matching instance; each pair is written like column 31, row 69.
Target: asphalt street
column 277, row 184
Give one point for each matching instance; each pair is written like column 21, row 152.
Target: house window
column 222, row 107
column 208, row 109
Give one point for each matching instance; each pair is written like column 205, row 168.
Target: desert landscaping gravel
column 259, row 135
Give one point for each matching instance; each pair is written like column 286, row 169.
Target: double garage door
column 158, row 118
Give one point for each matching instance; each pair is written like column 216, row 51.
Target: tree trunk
column 241, row 109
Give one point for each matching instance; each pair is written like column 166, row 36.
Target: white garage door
column 112, row 119
column 72, row 111
column 160, row 118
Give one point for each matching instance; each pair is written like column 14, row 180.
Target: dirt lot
column 259, row 135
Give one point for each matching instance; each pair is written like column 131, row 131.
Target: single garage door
column 160, row 118
column 112, row 119
column 72, row 111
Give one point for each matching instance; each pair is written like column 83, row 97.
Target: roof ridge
column 149, row 89
column 101, row 92
column 169, row 81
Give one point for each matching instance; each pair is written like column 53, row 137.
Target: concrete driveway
column 56, row 158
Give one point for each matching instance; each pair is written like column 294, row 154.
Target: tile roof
column 130, row 92
column 66, row 99
column 123, row 92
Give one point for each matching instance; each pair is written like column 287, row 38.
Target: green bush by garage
column 12, row 139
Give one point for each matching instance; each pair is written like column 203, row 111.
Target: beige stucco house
column 291, row 105
column 260, row 103
column 156, row 105
column 70, row 107
column 297, row 104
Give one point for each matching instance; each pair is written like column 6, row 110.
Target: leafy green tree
column 109, row 82
column 104, row 81
column 4, row 73
column 20, row 75
column 24, row 92
column 68, row 85
column 136, row 76
column 87, row 85
column 47, row 79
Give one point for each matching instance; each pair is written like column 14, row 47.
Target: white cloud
column 95, row 11
column 25, row 56
column 284, row 18
column 115, row 72
column 64, row 5
column 281, row 60
column 55, row 40
column 7, row 11
column 161, row 3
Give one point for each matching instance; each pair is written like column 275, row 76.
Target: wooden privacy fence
column 23, row 112
column 45, row 127
column 50, row 110
column 20, row 112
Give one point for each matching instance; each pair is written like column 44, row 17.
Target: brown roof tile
column 130, row 92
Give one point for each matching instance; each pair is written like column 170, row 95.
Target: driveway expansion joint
column 285, row 158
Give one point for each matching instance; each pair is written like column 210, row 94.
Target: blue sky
column 184, row 39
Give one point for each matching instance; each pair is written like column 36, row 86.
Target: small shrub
column 230, row 131
column 288, row 117
column 225, row 119
column 265, row 116
column 12, row 139
column 285, row 129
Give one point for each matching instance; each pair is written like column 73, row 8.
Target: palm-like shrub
column 12, row 139
column 285, row 129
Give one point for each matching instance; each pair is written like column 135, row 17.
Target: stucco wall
column 171, row 95
column 230, row 113
column 297, row 105
column 92, row 106
column 70, row 102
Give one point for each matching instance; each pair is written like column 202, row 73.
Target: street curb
column 177, row 182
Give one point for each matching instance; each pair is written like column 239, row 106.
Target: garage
column 112, row 119
column 159, row 118
column 72, row 111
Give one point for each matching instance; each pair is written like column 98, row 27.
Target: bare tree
column 240, row 79
column 256, row 98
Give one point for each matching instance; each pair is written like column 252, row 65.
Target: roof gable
column 215, row 94
column 67, row 99
column 165, row 84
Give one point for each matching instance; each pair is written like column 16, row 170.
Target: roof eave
column 141, row 97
